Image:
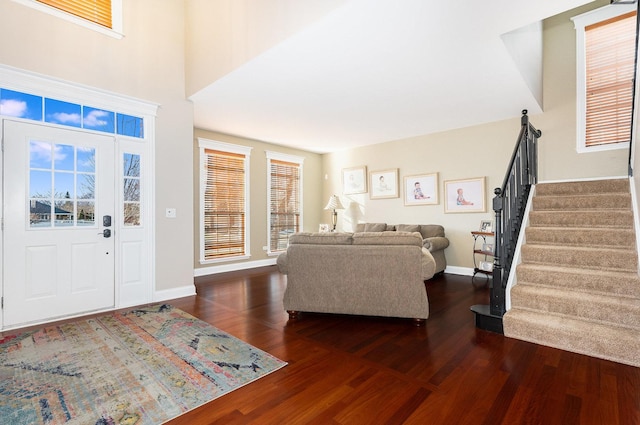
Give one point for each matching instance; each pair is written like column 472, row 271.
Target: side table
column 482, row 254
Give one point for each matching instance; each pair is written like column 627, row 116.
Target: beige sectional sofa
column 363, row 273
column 432, row 237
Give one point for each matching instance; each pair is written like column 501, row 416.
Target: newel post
column 497, row 293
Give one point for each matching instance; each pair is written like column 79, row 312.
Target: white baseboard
column 233, row 267
column 464, row 271
column 169, row 294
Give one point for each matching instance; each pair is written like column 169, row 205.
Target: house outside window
column 605, row 64
column 284, row 198
column 224, row 201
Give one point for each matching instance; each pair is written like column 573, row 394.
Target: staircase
column 578, row 287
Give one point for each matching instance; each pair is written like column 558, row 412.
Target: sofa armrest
column 428, row 264
column 436, row 243
column 281, row 261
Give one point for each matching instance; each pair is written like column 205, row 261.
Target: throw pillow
column 408, row 227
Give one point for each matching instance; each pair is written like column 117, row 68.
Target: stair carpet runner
column 578, row 287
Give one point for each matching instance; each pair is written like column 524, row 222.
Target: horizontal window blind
column 224, row 205
column 97, row 11
column 610, row 56
column 284, row 214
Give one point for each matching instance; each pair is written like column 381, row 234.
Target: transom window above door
column 38, row 108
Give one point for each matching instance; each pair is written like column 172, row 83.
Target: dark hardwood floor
column 370, row 370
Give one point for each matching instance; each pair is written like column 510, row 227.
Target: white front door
column 58, row 201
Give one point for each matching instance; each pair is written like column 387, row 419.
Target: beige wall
column 312, row 201
column 459, row 154
column 481, row 151
column 150, row 64
column 558, row 157
column 147, row 64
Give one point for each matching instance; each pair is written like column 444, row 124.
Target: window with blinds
column 96, row 11
column 284, row 202
column 605, row 68
column 610, row 59
column 224, row 201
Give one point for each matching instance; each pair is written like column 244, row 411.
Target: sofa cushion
column 387, row 238
column 329, row 238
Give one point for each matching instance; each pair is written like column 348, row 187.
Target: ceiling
column 375, row 71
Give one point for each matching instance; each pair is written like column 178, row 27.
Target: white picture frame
column 465, row 196
column 421, row 189
column 354, row 180
column 383, row 184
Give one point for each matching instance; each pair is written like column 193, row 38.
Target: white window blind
column 609, row 67
column 96, row 11
column 224, row 205
column 284, row 202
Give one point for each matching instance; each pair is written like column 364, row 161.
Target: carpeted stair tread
column 576, row 236
column 577, row 286
column 578, row 218
column 625, row 284
column 613, row 343
column 590, row 258
column 583, row 187
column 590, row 201
column 584, row 305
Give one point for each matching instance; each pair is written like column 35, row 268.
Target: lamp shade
column 334, row 203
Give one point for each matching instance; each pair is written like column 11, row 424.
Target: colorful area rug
column 144, row 366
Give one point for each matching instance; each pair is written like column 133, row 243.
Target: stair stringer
column 512, row 280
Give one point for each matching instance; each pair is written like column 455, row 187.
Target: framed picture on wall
column 383, row 184
column 486, row 226
column 465, row 196
column 421, row 189
column 354, row 180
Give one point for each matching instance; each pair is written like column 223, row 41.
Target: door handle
column 106, row 233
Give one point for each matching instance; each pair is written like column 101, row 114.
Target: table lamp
column 334, row 204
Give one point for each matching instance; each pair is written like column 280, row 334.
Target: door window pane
column 63, row 157
column 86, row 213
column 64, row 213
column 63, row 185
column 131, row 189
column 40, row 154
column 59, row 194
column 39, row 213
column 86, row 159
column 40, row 184
column 131, row 214
column 86, row 186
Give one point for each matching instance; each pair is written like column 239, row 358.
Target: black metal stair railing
column 509, row 205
